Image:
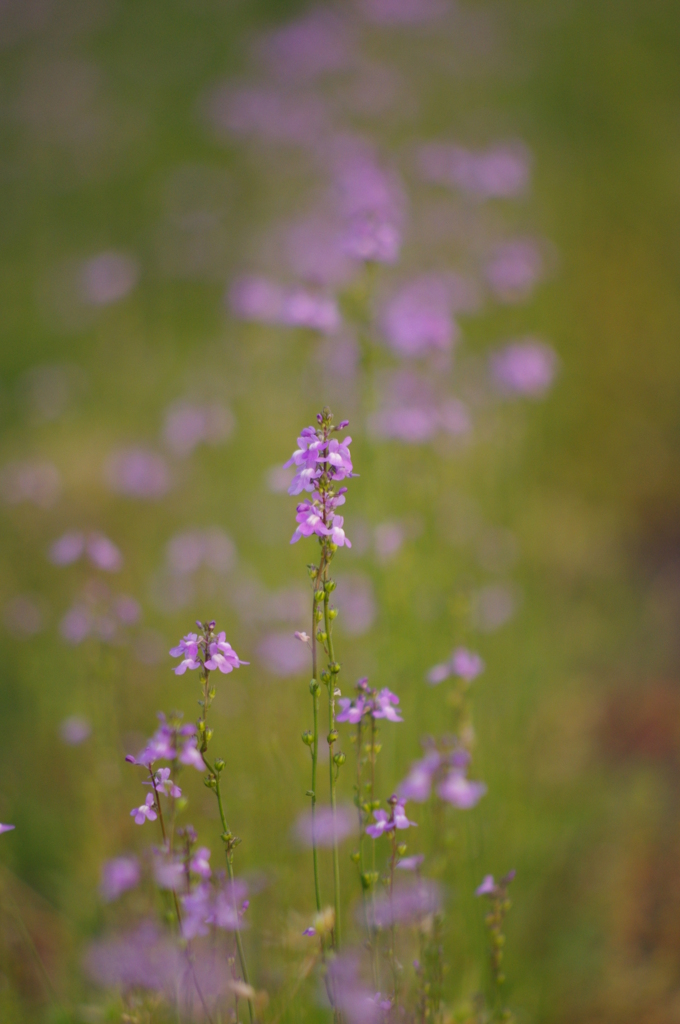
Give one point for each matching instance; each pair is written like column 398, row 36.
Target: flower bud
column 401, row 849
column 339, row 759
column 219, row 765
column 355, row 857
column 335, row 668
column 332, row 737
column 307, row 738
column 318, row 595
column 329, row 586
column 333, row 614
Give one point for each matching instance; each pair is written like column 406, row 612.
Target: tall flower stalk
column 321, row 461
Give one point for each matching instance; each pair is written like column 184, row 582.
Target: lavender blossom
column 498, row 172
column 6, row 828
column 327, row 825
column 459, row 791
column 418, row 318
column 418, row 783
column 463, row 663
column 222, row 656
column 314, row 45
column 137, row 473
column 487, row 887
column 411, row 863
column 513, row 270
column 146, row 811
column 407, row 904
column 200, row 862
column 119, row 875
column 524, row 368
column 187, row 649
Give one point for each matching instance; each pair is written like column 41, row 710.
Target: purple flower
column 385, row 706
column 103, row 553
column 108, row 278
column 411, row 863
column 372, row 238
column 304, row 308
column 371, row 202
column 164, row 784
column 338, row 458
column 168, row 871
column 146, row 811
column 487, row 888
column 197, row 907
column 524, row 368
column 268, row 114
column 200, row 862
column 326, row 825
column 418, row 318
column 223, row 656
column 408, row 904
column 383, row 823
column 6, row 828
column 282, row 654
column 76, row 625
column 75, row 730
column 418, row 783
column 140, row 959
column 67, row 549
column 138, row 473
column 190, row 756
column 309, row 522
column 353, row 998
column 438, row 673
column 309, row 931
column 399, row 816
column 513, row 270
column 466, row 664
column 502, row 171
column 459, row 791
column 119, row 875
column 338, row 534
column 187, row 425
column 187, row 649
column 350, row 710
column 309, row 47
column 256, row 298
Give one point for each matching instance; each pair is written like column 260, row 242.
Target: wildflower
column 199, row 863
column 399, row 816
column 466, row 664
column 188, row 646
column 385, row 706
column 382, row 824
column 222, row 656
column 119, row 875
column 190, row 755
column 168, row 871
column 309, row 522
column 301, row 636
column 146, row 811
column 459, row 791
column 338, row 534
column 411, row 863
column 525, row 367
column 350, row 710
column 408, row 903
column 327, row 825
column 487, row 888
column 197, row 911
column 309, row 931
column 164, row 784
column 6, row 828
column 418, row 783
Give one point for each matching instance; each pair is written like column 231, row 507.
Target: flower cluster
column 172, row 741
column 463, row 664
column 206, row 650
column 320, row 462
column 384, row 822
column 369, row 703
column 446, row 770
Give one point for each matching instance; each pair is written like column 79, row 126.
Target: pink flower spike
column 6, row 828
column 146, row 811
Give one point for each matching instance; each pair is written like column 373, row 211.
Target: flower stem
column 331, row 763
column 315, row 752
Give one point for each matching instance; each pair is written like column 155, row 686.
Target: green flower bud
column 401, row 849
column 339, row 759
column 332, row 737
column 219, row 765
column 355, row 857
column 307, row 738
column 314, row 687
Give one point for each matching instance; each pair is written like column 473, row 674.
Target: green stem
column 230, row 871
column 315, row 753
column 331, row 763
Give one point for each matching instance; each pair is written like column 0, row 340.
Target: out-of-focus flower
column 326, row 825
column 403, row 12
column 513, row 270
column 500, row 171
column 282, row 655
column 358, row 1003
column 311, row 46
column 407, row 904
column 140, row 959
column 146, row 811
column 188, row 424
column 119, row 875
column 418, row 783
column 101, row 551
column 76, row 625
column 137, row 473
column 168, row 871
column 36, row 482
column 460, row 791
column 418, row 318
column 267, row 114
column 162, row 783
column 6, row 828
column 200, row 862
column 411, row 863
column 487, row 887
column 74, row 730
column 303, row 637
column 374, row 703
column 524, row 368
column 256, row 298
column 389, row 538
column 463, row 663
column 108, row 278
column 190, row 755
column 211, row 547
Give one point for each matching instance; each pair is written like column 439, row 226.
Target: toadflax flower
column 321, row 461
column 374, row 703
column 119, row 875
column 146, row 811
column 164, row 784
column 385, row 822
column 187, row 649
column 222, row 655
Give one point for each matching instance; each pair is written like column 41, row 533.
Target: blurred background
column 176, row 305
